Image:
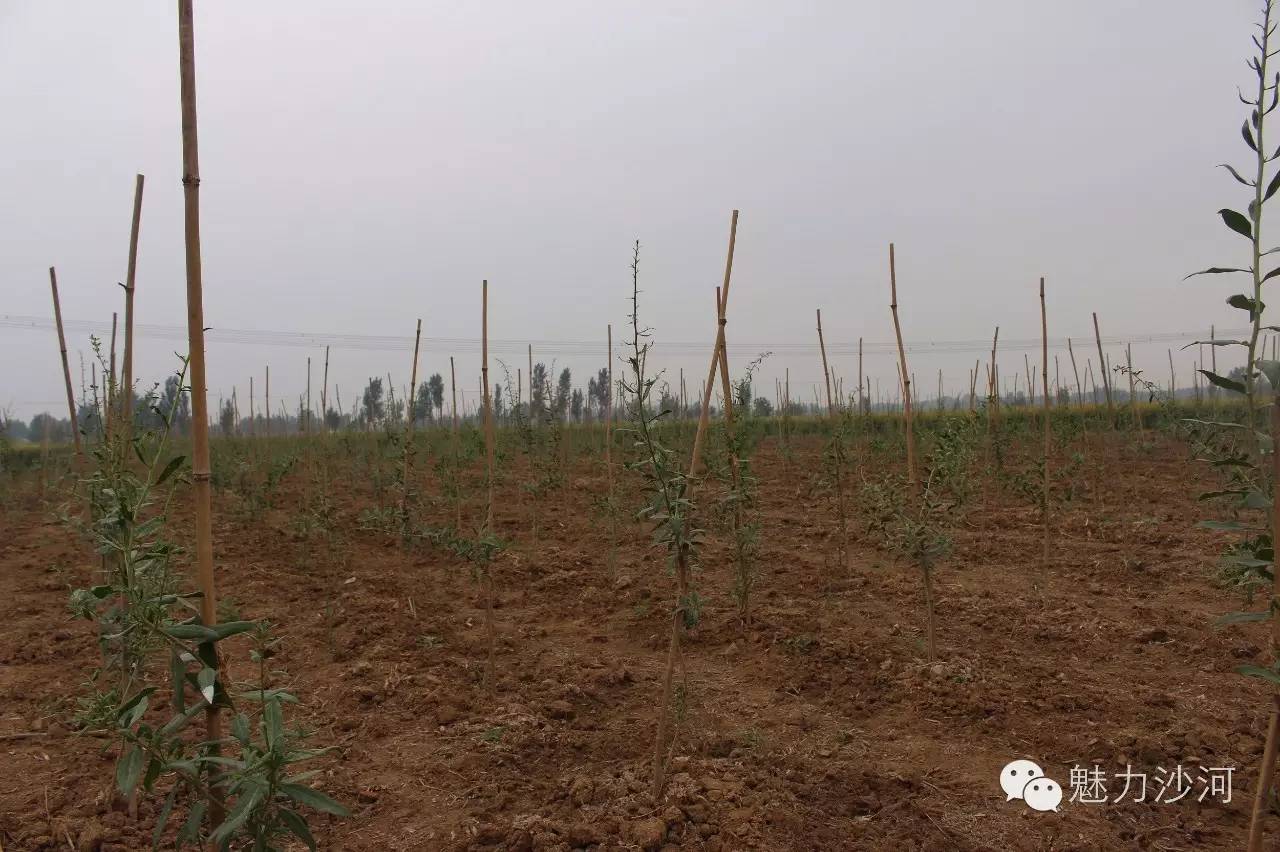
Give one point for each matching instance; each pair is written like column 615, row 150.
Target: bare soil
column 819, row 725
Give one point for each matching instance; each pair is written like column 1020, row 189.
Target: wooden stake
column 457, row 497
column 268, row 402
column 66, row 366
column 862, row 404
column 251, row 430
column 195, row 339
column 1048, row 435
column 324, row 394
column 1173, row 379
column 130, row 284
column 1079, row 387
column 826, row 374
column 488, row 407
column 906, row 377
column 306, row 426
column 1102, row 360
column 704, row 416
column 409, row 418
column 111, row 399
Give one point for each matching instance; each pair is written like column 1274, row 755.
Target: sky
column 364, row 165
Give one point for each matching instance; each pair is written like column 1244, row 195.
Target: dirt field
column 820, row 726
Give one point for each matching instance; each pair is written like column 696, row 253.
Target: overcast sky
column 364, row 164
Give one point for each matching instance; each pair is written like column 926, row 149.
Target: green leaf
column 1272, row 187
column 1244, row 303
column 272, row 724
column 1248, row 135
column 298, row 827
column 1241, row 618
column 206, row 680
column 1235, row 174
column 1236, row 222
column 129, row 769
column 245, row 803
column 1223, row 381
column 1259, row 672
column 177, row 679
column 1216, row 270
column 189, row 631
column 240, row 728
column 231, row 628
column 190, row 831
column 1225, row 526
column 170, row 468
column 154, row 767
column 314, row 799
column 162, row 819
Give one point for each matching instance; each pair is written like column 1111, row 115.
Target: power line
column 460, row 345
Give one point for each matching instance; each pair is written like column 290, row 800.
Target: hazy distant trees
column 560, row 405
column 539, row 386
column 372, row 408
column 575, row 404
column 227, row 417
column 598, row 391
column 436, row 384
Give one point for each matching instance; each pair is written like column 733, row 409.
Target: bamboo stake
column 66, row 366
column 826, row 374
column 1048, row 434
column 1031, row 381
column 488, row 408
column 861, row 404
column 1102, row 360
column 485, row 395
column 1079, row 388
column 130, row 285
column 608, row 420
column 306, row 426
column 409, row 418
column 1173, row 379
column 324, row 394
column 704, row 416
column 906, row 379
column 994, row 378
column 195, row 338
column 457, row 497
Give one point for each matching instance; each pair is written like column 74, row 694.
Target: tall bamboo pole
column 306, row 426
column 409, row 418
column 195, row 341
column 993, row 379
column 488, row 408
column 1173, row 379
column 906, row 377
column 130, row 284
column 1048, row 434
column 66, row 366
column 324, row 394
column 457, row 498
column 1079, row 387
column 704, row 415
column 862, row 404
column 267, row 425
column 1102, row 360
column 826, row 374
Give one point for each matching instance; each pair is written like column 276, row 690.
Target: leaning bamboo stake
column 409, row 418
column 1031, row 380
column 861, row 405
column 457, row 455
column 993, row 379
column 488, row 452
column 906, row 377
column 704, row 415
column 268, row 402
column 1048, row 435
column 1173, row 379
column 66, row 366
column 195, row 339
column 1102, row 360
column 324, row 394
column 1079, row 387
column 826, row 374
column 130, row 284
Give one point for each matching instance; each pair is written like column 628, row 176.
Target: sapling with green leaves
column 670, row 510
column 1247, row 452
